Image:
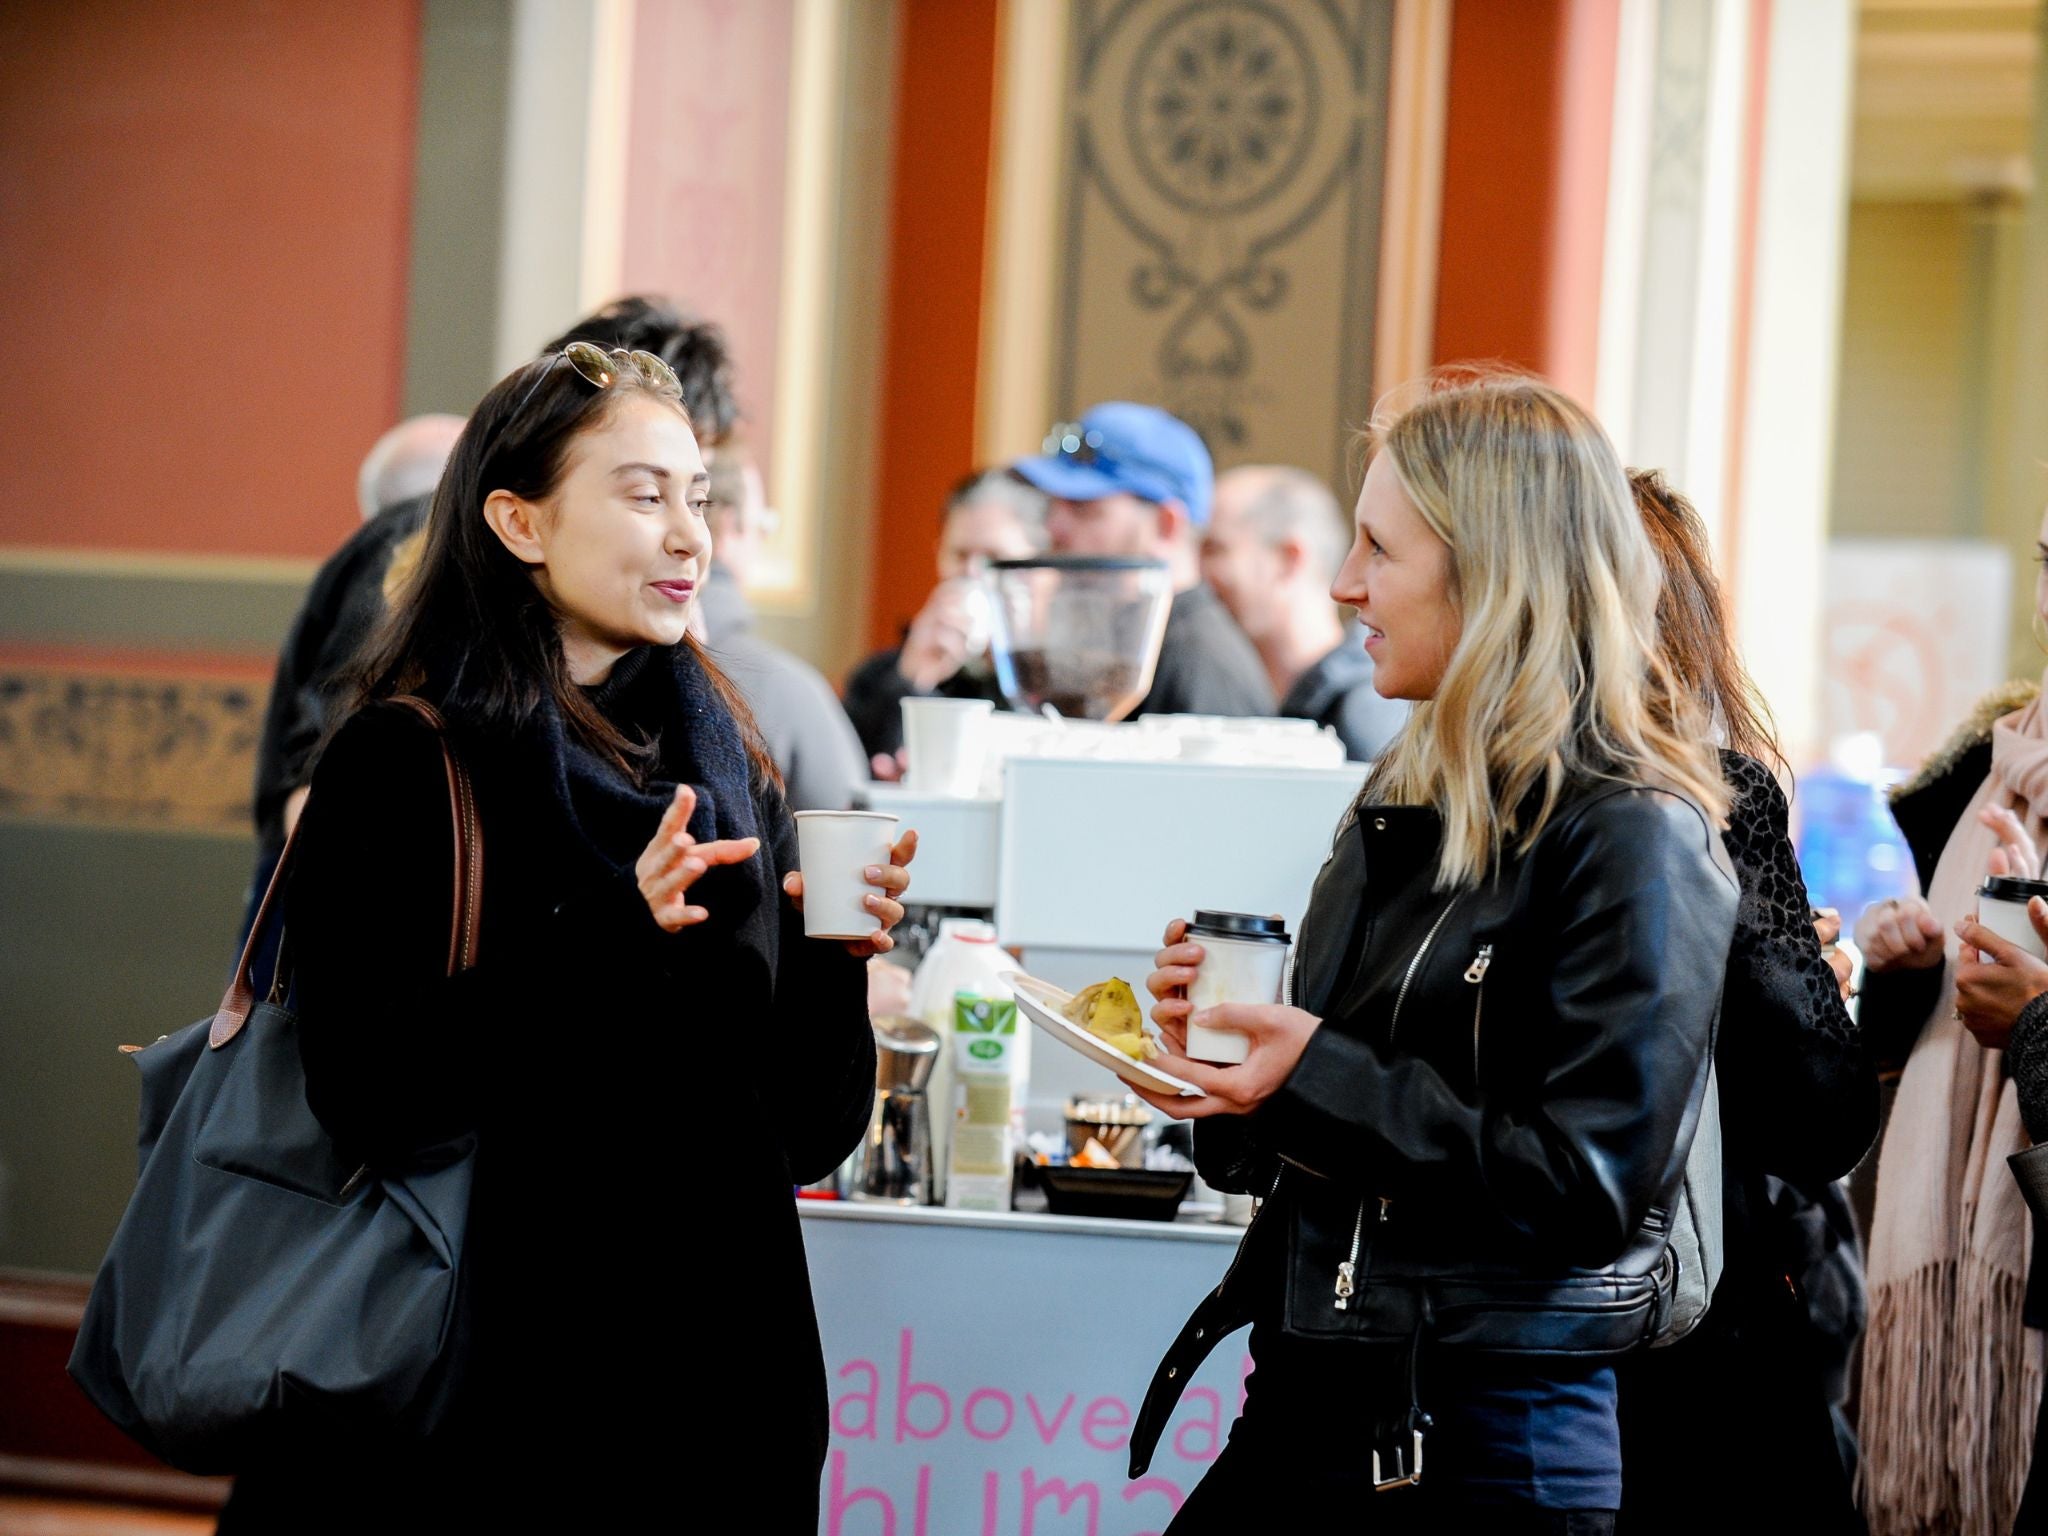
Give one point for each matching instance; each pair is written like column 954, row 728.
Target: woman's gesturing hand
column 2015, row 854
column 1901, row 934
column 674, row 861
column 891, row 879
column 1995, row 978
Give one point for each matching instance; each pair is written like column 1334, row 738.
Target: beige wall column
column 1787, row 428
column 1412, row 205
column 2019, row 494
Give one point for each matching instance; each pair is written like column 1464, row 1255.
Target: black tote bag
column 260, row 1287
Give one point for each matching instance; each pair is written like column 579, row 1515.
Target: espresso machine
column 894, row 1164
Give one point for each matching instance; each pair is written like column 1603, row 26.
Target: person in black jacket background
column 1472, row 1129
column 1798, row 1106
column 644, row 999
column 342, row 606
column 989, row 515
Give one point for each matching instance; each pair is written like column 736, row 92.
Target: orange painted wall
column 1527, row 137
column 945, row 109
column 204, row 218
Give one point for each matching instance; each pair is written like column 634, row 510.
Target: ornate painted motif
column 163, row 752
column 1222, row 230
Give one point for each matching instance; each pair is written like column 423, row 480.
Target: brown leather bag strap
column 466, row 901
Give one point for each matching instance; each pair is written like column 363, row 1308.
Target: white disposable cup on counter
column 834, row 850
column 2002, row 907
column 946, row 741
column 1244, row 960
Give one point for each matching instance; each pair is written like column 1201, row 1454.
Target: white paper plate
column 1042, row 1001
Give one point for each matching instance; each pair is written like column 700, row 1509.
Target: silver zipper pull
column 1476, row 971
column 1386, row 1201
column 1347, row 1270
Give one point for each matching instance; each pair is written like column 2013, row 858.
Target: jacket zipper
column 1415, row 965
column 1347, row 1272
column 1476, row 974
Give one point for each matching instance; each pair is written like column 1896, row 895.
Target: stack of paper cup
column 834, row 850
column 946, row 741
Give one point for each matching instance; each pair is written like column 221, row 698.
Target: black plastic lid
column 1242, row 925
column 2010, row 888
column 1079, row 563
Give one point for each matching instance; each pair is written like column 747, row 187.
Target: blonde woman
column 1472, row 1119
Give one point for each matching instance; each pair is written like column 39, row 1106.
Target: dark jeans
column 1300, row 1456
column 1256, row 1486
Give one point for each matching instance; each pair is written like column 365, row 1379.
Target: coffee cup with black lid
column 1244, row 961
column 2002, row 907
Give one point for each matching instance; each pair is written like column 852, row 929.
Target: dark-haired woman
column 649, row 1053
column 1798, row 1110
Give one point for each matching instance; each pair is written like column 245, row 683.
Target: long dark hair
column 470, row 630
column 1692, row 620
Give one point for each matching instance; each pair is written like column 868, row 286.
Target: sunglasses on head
column 604, row 369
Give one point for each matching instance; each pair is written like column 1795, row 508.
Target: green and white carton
column 987, row 1066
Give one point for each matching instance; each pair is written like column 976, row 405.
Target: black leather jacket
column 1482, row 1140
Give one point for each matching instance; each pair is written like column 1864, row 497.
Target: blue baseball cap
column 1119, row 447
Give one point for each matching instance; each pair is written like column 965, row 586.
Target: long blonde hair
column 1556, row 678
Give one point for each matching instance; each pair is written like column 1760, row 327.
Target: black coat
column 639, row 1304
column 342, row 607
column 1493, row 1116
column 1799, row 1104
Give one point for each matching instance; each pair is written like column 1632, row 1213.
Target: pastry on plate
column 1109, row 1011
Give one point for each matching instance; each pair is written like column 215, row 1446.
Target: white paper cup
column 834, row 849
column 946, row 741
column 1233, row 970
column 2002, row 907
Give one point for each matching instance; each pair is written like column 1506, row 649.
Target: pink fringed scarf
column 1951, row 1377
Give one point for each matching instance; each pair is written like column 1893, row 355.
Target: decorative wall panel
column 1222, row 227
column 164, row 752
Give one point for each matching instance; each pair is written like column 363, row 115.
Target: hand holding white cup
column 1226, row 957
column 851, row 877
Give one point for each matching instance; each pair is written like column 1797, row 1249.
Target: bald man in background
column 1274, row 542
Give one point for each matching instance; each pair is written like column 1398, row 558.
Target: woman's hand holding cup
column 1996, row 978
column 1277, row 1033
column 1173, row 973
column 892, row 880
column 674, row 861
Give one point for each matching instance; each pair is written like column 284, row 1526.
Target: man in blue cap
column 1133, row 480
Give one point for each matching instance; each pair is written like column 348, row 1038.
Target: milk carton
column 988, row 1081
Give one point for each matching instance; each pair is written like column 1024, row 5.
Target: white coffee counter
column 984, row 1369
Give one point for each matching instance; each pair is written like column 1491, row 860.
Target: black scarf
column 660, row 694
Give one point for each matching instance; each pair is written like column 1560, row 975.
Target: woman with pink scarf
column 1951, row 1373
